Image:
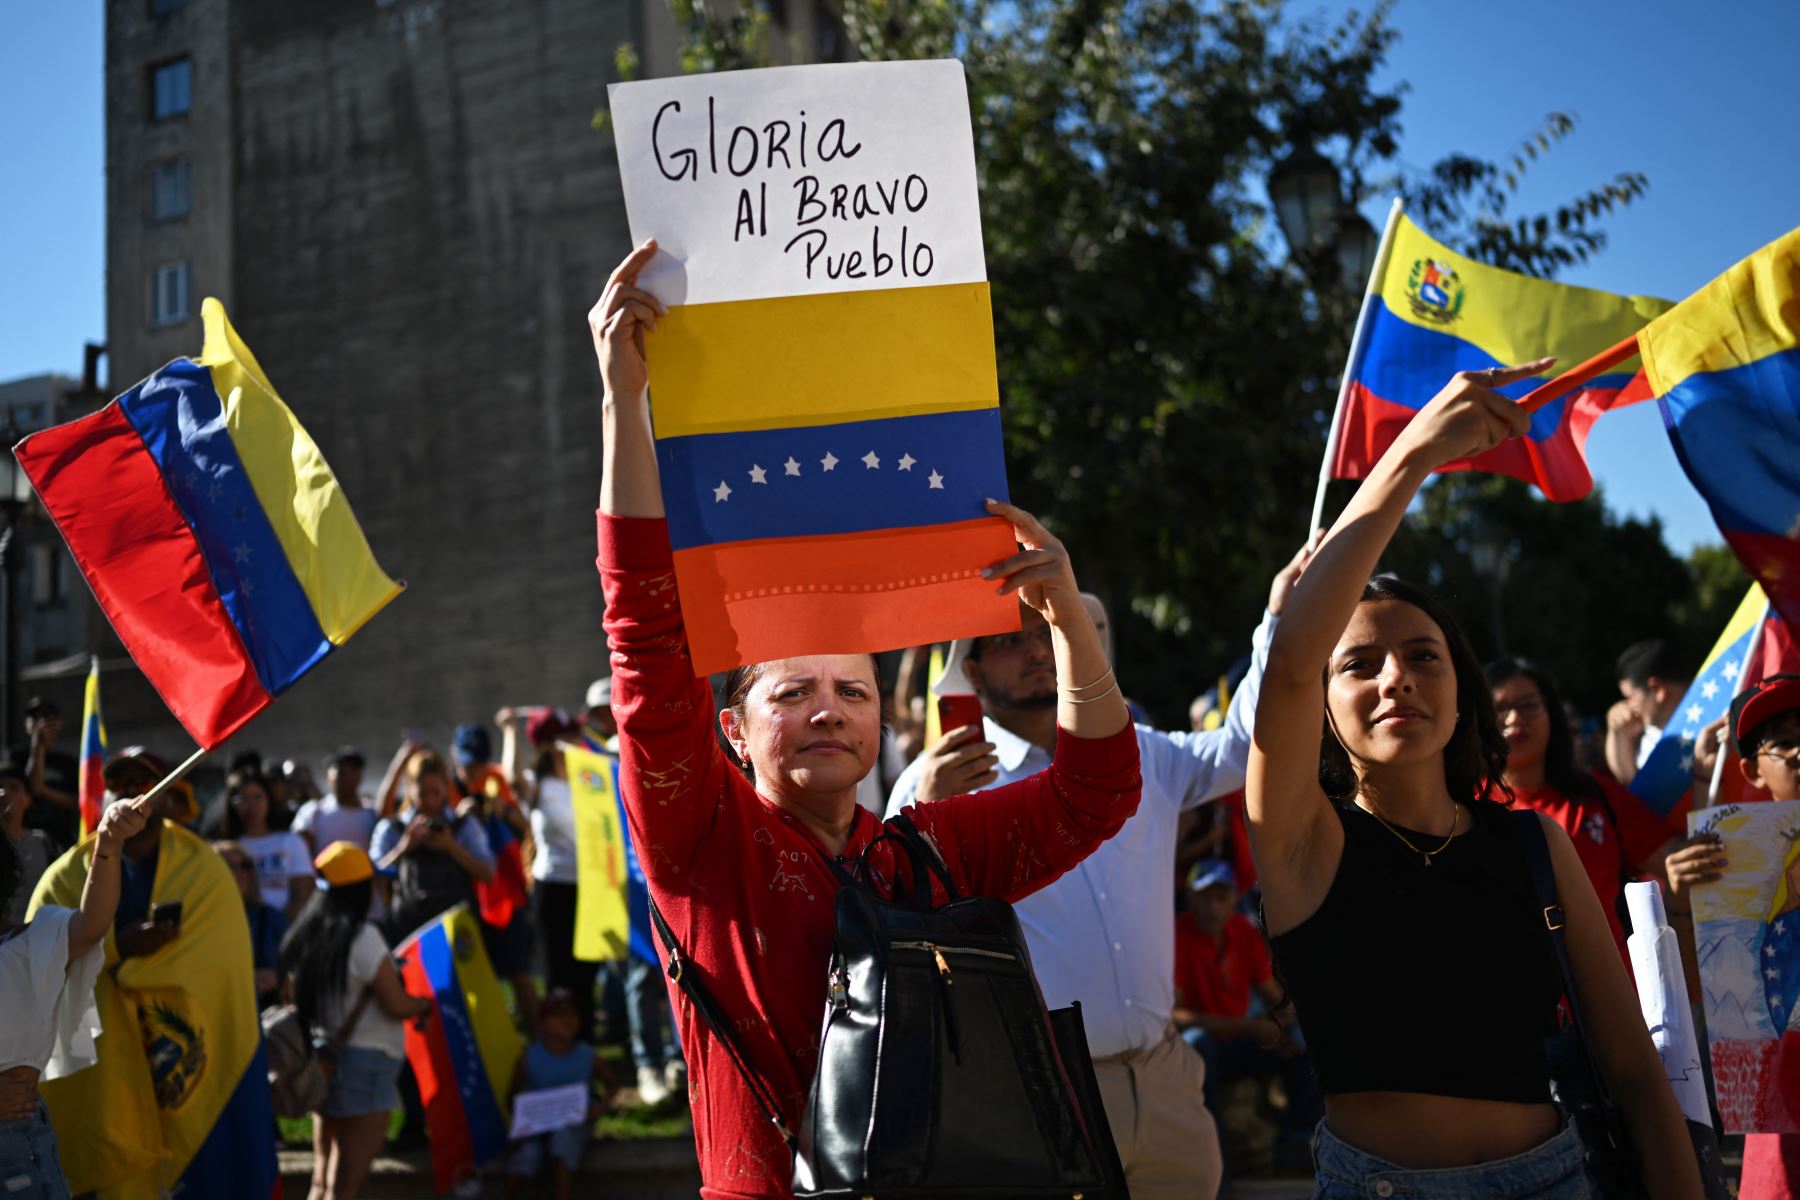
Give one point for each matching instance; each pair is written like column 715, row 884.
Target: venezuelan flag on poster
column 603, row 925
column 92, row 787
column 507, row 895
column 1724, row 365
column 211, row 531
column 464, row 1056
column 1666, row 775
column 1436, row 312
column 178, row 1103
column 826, row 405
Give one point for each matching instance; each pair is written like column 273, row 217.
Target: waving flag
column 1724, row 365
column 91, row 790
column 826, row 406
column 212, row 533
column 463, row 1055
column 1433, row 312
column 1666, row 775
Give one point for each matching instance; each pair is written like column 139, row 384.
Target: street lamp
column 1319, row 225
column 15, row 494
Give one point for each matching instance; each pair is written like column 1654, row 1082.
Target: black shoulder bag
column 1575, row 1080
column 940, row 1072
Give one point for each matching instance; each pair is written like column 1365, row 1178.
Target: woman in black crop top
column 1398, row 905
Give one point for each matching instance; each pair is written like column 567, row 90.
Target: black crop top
column 1436, row 979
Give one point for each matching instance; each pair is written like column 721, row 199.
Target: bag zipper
column 938, row 952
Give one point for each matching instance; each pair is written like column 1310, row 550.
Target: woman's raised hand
column 1041, row 572
column 1468, row 417
column 618, row 321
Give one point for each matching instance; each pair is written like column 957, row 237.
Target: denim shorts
column 29, row 1166
column 564, row 1145
column 1552, row 1170
column 363, row 1081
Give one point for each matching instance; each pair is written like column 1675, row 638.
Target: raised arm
column 670, row 763
column 1013, row 840
column 100, row 894
column 1297, row 843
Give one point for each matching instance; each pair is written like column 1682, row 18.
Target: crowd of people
column 1309, row 913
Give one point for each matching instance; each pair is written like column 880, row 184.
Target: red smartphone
column 958, row 709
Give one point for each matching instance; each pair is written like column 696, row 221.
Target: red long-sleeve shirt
column 746, row 889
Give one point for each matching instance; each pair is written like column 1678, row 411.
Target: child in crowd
column 1765, row 729
column 557, row 1058
column 1220, row 961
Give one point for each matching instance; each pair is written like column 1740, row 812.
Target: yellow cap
column 343, row 863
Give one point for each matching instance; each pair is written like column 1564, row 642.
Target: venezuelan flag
column 1434, row 312
column 178, row 1103
column 463, row 1058
column 92, row 788
column 502, row 899
column 211, row 531
column 603, row 925
column 1724, row 365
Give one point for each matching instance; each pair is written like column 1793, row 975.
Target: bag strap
column 695, row 989
column 1528, row 828
column 356, row 1011
column 923, row 856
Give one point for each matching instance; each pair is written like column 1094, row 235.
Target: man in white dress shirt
column 1104, row 934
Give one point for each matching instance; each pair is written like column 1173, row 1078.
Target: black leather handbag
column 940, row 1072
column 1575, row 1080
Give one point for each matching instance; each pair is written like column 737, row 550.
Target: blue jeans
column 29, row 1166
column 1552, row 1170
column 653, row 1041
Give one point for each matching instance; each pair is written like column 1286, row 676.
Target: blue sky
column 1689, row 96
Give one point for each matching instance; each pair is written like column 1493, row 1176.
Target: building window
column 171, row 194
column 170, row 289
column 162, row 8
column 171, row 89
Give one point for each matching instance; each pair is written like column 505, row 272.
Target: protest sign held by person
column 1384, row 849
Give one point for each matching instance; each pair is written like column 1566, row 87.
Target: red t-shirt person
column 1609, row 848
column 1215, row 973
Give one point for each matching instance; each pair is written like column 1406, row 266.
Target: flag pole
column 1751, row 650
column 193, row 760
column 1555, row 389
column 1358, row 343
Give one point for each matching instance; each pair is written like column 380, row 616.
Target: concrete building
column 407, row 210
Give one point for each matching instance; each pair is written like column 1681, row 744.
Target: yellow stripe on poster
column 1748, row 313
column 818, row 360
column 319, row 534
column 602, row 919
column 1513, row 317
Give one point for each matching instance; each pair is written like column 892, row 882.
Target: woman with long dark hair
column 1615, row 836
column 1395, row 887
column 335, row 959
column 741, row 867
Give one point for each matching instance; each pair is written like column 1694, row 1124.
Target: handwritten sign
column 801, row 180
column 549, row 1109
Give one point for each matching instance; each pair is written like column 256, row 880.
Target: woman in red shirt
column 1615, row 836
column 739, row 869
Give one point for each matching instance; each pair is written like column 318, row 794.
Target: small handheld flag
column 92, row 787
column 1432, row 312
column 212, row 532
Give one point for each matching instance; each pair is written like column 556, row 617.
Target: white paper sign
column 801, row 180
column 549, row 1109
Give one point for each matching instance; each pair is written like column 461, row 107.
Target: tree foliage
column 1167, row 374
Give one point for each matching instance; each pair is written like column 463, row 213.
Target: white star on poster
column 870, row 461
column 757, row 474
column 1731, row 670
column 1768, row 952
column 1781, row 927
column 1709, row 689
column 907, row 461
column 1687, row 762
column 1771, row 973
column 937, row 481
column 1695, row 712
column 829, row 461
column 722, row 493
column 793, row 468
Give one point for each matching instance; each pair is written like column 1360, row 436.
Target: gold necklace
column 1427, row 855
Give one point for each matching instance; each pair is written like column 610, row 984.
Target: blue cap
column 1211, row 872
column 470, row 745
